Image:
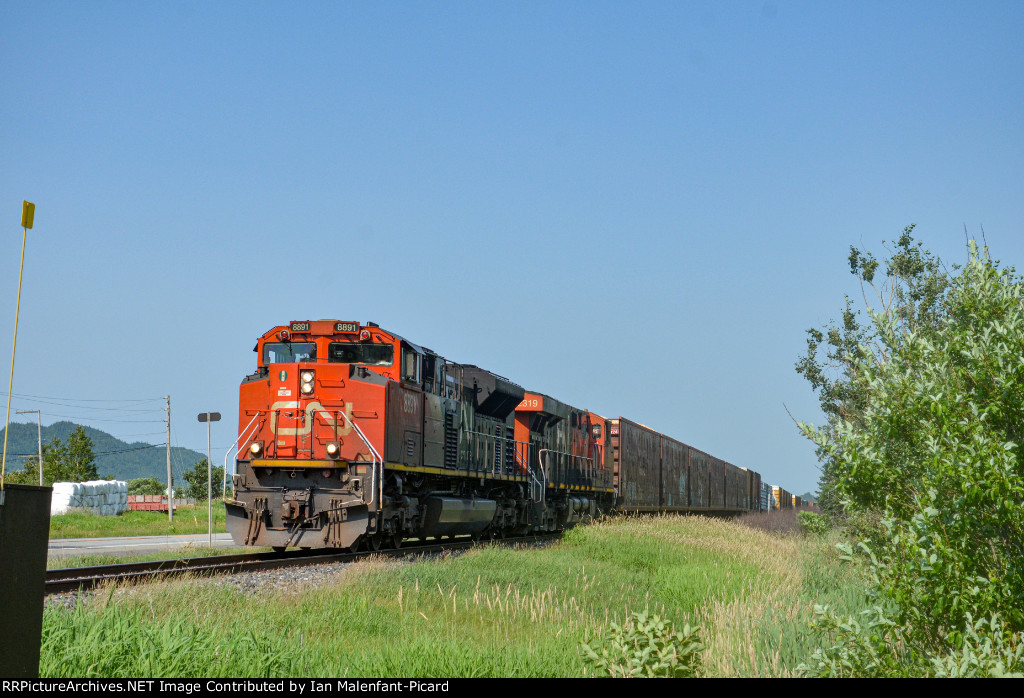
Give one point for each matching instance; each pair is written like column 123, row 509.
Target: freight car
column 653, row 472
column 352, row 436
column 783, row 499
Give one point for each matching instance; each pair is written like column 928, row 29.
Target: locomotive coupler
column 297, row 505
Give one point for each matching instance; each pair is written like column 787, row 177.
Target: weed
column 646, row 646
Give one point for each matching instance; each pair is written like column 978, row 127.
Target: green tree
column 29, row 475
column 196, row 480
column 910, row 293
column 73, row 462
column 146, row 485
column 927, row 432
column 79, row 461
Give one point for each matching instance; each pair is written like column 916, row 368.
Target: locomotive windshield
column 366, row 354
column 288, row 352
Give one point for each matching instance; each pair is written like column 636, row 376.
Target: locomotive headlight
column 333, row 449
column 306, row 382
column 256, row 448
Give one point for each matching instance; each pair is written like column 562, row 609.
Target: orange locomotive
column 352, row 436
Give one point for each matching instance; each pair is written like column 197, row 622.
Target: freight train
column 351, row 436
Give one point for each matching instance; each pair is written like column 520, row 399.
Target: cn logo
column 314, row 410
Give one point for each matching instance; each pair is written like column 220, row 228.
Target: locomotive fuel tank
column 450, row 516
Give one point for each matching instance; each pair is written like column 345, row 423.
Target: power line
column 93, row 419
column 76, row 399
column 87, row 407
column 97, row 453
column 129, row 450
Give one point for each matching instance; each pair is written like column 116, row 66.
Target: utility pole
column 39, row 433
column 170, row 491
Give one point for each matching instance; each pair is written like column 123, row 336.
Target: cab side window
column 410, row 365
column 429, row 373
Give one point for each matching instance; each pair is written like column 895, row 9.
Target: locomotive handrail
column 224, row 486
column 542, row 485
column 499, row 455
column 378, row 462
column 583, row 464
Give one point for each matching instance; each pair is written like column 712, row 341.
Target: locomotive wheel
column 278, row 548
column 373, row 542
column 395, row 539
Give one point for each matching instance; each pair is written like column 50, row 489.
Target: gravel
column 287, row 579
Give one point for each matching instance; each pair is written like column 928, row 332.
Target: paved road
column 133, row 545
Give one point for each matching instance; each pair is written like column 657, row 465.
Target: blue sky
column 637, row 208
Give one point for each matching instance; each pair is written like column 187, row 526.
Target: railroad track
column 72, row 579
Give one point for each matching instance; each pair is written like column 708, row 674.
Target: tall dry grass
column 490, row 612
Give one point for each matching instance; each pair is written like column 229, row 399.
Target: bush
column 648, row 647
column 878, row 646
column 146, row 485
column 934, row 446
column 812, row 524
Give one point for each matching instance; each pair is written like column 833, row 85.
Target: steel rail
column 72, row 579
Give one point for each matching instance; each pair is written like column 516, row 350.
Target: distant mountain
column 125, row 461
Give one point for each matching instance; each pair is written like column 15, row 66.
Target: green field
column 187, row 519
column 490, row 612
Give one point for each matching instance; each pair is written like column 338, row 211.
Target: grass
column 187, row 519
column 490, row 612
column 783, row 521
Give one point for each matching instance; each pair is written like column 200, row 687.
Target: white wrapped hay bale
column 118, row 497
column 66, row 495
column 103, row 497
column 90, row 500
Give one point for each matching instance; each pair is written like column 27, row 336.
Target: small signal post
column 209, row 417
column 28, row 214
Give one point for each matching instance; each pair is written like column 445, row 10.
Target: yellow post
column 28, row 213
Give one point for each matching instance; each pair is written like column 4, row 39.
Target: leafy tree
column 79, row 461
column 926, row 429
column 73, row 462
column 27, row 476
column 910, row 294
column 196, row 480
column 146, row 485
